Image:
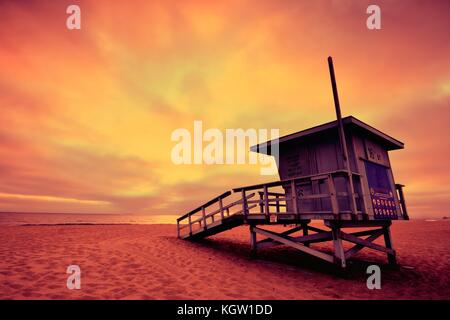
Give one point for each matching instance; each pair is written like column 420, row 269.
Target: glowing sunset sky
column 86, row 115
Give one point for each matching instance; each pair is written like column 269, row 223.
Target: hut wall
column 315, row 155
column 379, row 194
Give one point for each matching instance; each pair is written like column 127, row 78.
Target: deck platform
column 271, row 208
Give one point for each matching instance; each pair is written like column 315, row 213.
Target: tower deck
column 270, row 204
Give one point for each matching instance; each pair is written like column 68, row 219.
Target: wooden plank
column 277, row 205
column 273, row 200
column 285, row 233
column 232, row 204
column 314, row 196
column 316, row 229
column 218, row 226
column 288, row 242
column 316, row 237
column 285, row 217
column 311, row 238
column 207, row 204
column 365, row 243
column 352, row 251
column 319, row 177
column 358, row 224
column 246, row 215
column 184, row 226
column 364, row 233
column 197, row 220
column 276, row 194
column 318, row 213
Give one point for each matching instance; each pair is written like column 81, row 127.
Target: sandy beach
column 149, row 262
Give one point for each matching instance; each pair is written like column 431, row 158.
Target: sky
column 87, row 115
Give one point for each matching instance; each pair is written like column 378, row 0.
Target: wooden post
column 399, row 188
column 190, row 225
column 343, row 141
column 294, row 197
column 221, row 208
column 204, row 218
column 333, row 196
column 253, row 243
column 178, row 229
column 305, row 231
column 244, row 205
column 277, row 197
column 388, row 243
column 266, row 202
column 339, row 255
column 261, row 202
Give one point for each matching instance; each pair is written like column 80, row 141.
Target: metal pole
column 342, row 135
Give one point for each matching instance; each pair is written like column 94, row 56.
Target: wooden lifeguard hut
column 338, row 172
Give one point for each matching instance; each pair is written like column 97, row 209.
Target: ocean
column 16, row 219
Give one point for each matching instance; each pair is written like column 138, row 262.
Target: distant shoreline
column 42, row 219
column 132, row 224
column 86, row 224
column 86, row 219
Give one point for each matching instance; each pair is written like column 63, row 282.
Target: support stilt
column 388, row 243
column 253, row 242
column 305, row 232
column 335, row 234
column 339, row 254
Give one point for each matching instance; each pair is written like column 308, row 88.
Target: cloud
column 423, row 165
column 87, row 115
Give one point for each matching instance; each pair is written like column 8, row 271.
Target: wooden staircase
column 274, row 206
column 280, row 202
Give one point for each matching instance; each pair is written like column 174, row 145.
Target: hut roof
column 349, row 122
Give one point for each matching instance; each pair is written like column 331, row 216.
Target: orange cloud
column 87, row 115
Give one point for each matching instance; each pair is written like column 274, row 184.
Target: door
column 381, row 192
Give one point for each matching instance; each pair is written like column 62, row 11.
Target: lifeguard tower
column 338, row 172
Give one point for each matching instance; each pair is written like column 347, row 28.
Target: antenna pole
column 342, row 135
